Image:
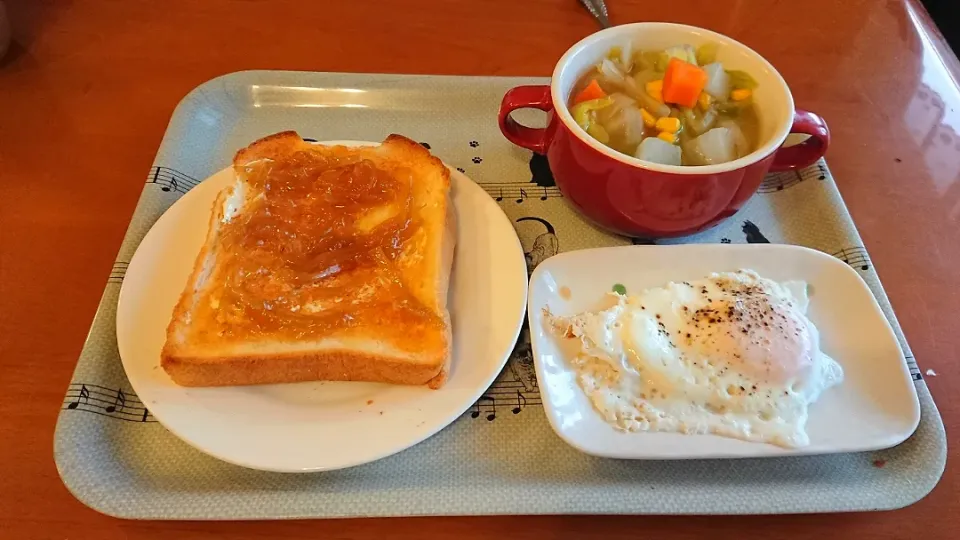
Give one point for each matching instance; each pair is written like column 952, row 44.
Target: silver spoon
column 599, row 11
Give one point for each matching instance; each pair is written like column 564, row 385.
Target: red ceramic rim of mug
column 774, row 101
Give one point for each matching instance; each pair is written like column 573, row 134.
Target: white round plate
column 318, row 426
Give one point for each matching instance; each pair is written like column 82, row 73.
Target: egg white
column 732, row 354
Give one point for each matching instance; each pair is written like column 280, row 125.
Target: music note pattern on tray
column 110, row 402
column 171, row 180
column 915, row 373
column 780, row 181
column 486, row 406
column 507, row 392
column 855, row 256
column 520, row 192
column 118, row 272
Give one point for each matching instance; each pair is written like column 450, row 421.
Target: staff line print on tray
column 118, row 271
column 516, row 388
column 506, row 393
column 541, row 185
column 915, row 372
column 856, row 256
column 111, row 402
column 776, row 182
column 520, row 192
column 171, row 180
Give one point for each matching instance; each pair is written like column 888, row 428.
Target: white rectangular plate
column 875, row 407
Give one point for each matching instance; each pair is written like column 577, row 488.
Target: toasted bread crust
column 190, row 365
column 181, row 312
column 416, row 151
column 338, row 365
column 271, row 145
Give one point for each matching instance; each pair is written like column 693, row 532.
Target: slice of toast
column 320, row 263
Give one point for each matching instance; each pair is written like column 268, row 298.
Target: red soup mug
column 640, row 198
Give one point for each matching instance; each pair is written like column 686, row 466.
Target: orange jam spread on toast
column 319, row 247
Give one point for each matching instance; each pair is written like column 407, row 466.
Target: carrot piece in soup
column 592, row 91
column 683, row 82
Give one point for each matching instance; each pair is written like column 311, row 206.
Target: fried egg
column 732, row 354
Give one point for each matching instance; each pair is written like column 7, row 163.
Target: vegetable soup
column 678, row 106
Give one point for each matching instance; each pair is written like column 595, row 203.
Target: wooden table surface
column 88, row 88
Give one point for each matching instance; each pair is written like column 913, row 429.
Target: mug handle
column 809, row 151
column 523, row 97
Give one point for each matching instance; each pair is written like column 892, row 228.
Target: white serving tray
column 501, row 457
